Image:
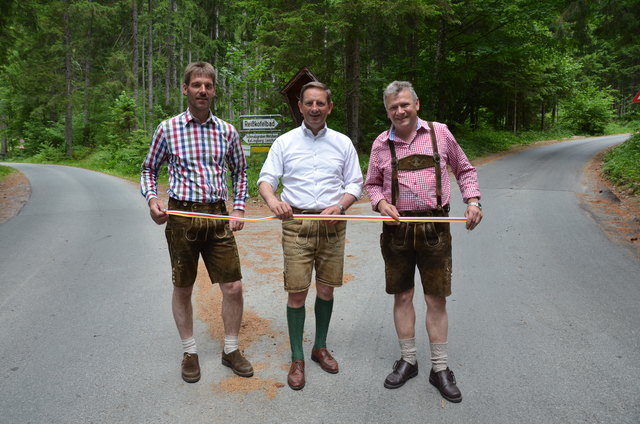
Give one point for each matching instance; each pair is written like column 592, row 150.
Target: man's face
column 315, row 108
column 200, row 93
column 402, row 110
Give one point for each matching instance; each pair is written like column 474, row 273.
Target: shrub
column 621, row 165
column 589, row 111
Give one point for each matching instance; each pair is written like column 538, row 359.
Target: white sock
column 189, row 345
column 438, row 356
column 230, row 344
column 408, row 350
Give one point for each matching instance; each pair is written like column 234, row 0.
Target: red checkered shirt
column 418, row 188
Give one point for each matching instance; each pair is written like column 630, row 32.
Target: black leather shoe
column 402, row 371
column 445, row 382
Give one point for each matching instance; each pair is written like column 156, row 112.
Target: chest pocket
column 416, row 162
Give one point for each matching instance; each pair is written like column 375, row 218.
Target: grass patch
column 621, row 165
column 6, row 170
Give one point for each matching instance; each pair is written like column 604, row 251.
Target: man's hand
column 280, row 209
column 157, row 211
column 474, row 216
column 235, row 225
column 387, row 209
column 332, row 210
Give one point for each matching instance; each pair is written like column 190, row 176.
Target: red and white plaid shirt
column 418, row 188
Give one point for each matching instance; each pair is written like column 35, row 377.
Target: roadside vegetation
column 622, row 165
column 5, row 170
column 123, row 159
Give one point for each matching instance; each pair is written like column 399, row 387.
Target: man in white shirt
column 320, row 174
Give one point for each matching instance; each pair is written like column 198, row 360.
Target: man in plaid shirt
column 199, row 149
column 407, row 176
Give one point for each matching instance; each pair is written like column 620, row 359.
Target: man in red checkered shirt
column 408, row 176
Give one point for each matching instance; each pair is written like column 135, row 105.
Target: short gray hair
column 395, row 88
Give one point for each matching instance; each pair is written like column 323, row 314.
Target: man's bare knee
column 231, row 290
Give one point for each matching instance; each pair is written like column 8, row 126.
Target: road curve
column 543, row 320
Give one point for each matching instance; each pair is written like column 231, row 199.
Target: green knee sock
column 295, row 321
column 323, row 309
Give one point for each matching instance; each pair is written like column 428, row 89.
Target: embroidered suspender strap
column 436, row 158
column 395, row 187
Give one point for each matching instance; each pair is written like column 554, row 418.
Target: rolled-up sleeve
column 465, row 173
column 238, row 168
column 158, row 153
column 352, row 173
column 273, row 166
column 374, row 183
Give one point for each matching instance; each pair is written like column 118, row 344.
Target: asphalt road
column 544, row 322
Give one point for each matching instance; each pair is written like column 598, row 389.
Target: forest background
column 85, row 82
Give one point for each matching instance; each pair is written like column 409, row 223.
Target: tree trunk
column 352, row 78
column 441, row 46
column 150, row 64
column 515, row 112
column 134, row 55
column 543, row 110
column 4, row 143
column 86, row 129
column 68, row 118
column 171, row 53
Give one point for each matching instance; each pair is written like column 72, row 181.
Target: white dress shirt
column 316, row 170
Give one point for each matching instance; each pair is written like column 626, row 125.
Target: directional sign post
column 260, row 131
column 637, row 98
column 260, row 122
column 260, row 138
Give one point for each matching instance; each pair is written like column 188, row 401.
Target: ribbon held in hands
column 318, row 217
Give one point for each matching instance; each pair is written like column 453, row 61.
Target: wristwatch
column 476, row 204
column 342, row 209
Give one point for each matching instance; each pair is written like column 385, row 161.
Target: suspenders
column 417, row 162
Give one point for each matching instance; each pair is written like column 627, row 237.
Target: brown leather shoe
column 295, row 379
column 402, row 371
column 445, row 382
column 190, row 367
column 237, row 363
column 326, row 361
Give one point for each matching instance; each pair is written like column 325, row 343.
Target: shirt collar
column 392, row 130
column 308, row 132
column 188, row 117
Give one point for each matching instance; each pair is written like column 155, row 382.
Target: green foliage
column 49, row 153
column 589, row 111
column 44, row 140
column 6, row 170
column 496, row 67
column 622, row 165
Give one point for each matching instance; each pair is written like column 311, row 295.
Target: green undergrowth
column 5, row 170
column 621, row 165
